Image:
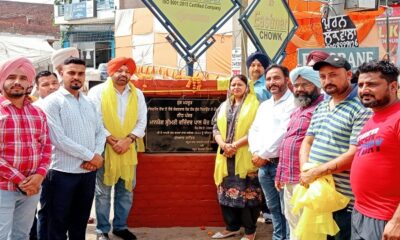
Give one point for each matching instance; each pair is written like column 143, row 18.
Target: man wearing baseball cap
column 331, row 138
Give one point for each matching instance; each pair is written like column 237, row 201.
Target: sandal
column 220, row 235
column 245, row 237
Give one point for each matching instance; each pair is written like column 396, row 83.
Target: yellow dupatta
column 243, row 164
column 119, row 165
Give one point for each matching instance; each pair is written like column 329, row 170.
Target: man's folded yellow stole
column 119, row 165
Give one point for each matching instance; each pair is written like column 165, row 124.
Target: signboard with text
column 270, row 24
column 191, row 20
column 393, row 38
column 177, row 125
column 236, row 62
column 339, row 32
column 355, row 56
column 79, row 10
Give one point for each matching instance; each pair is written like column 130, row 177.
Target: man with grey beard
column 307, row 94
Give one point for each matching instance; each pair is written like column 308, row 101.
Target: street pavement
column 264, row 232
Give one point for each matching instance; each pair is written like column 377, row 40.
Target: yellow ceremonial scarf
column 243, row 164
column 251, row 86
column 116, row 165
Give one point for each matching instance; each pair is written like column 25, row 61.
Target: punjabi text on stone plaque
column 178, row 125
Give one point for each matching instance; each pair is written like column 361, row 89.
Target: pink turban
column 316, row 56
column 9, row 66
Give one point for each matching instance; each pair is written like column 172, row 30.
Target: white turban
column 58, row 57
column 306, row 72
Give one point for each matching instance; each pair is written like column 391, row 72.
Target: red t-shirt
column 375, row 172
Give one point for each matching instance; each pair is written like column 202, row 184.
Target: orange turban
column 114, row 64
column 9, row 66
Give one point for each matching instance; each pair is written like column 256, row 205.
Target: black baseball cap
column 334, row 61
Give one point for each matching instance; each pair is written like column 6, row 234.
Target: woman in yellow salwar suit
column 238, row 189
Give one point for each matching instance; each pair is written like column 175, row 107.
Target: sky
column 32, row 1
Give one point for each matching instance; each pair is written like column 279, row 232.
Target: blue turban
column 261, row 57
column 306, row 72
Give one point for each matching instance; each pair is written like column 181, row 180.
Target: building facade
column 88, row 26
column 27, row 29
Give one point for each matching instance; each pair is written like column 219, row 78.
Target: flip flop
column 246, row 238
column 220, row 235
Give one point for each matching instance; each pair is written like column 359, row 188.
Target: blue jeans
column 41, row 223
column 122, row 204
column 16, row 214
column 266, row 175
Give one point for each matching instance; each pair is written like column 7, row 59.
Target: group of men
column 335, row 131
column 65, row 148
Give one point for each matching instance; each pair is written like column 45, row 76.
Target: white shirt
column 76, row 131
column 270, row 125
column 95, row 94
column 38, row 103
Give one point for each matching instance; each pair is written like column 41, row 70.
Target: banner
column 355, row 56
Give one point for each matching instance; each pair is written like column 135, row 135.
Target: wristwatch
column 132, row 137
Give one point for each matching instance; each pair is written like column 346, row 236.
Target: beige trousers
column 292, row 218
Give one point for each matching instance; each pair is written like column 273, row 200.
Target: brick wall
column 27, row 19
column 175, row 190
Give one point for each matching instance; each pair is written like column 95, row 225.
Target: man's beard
column 122, row 81
column 15, row 95
column 336, row 89
column 76, row 87
column 75, row 84
column 376, row 102
column 307, row 99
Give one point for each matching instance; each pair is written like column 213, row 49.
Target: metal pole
column 387, row 32
column 336, row 7
column 243, row 41
column 239, row 38
column 190, row 69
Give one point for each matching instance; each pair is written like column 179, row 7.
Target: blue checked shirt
column 76, row 130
